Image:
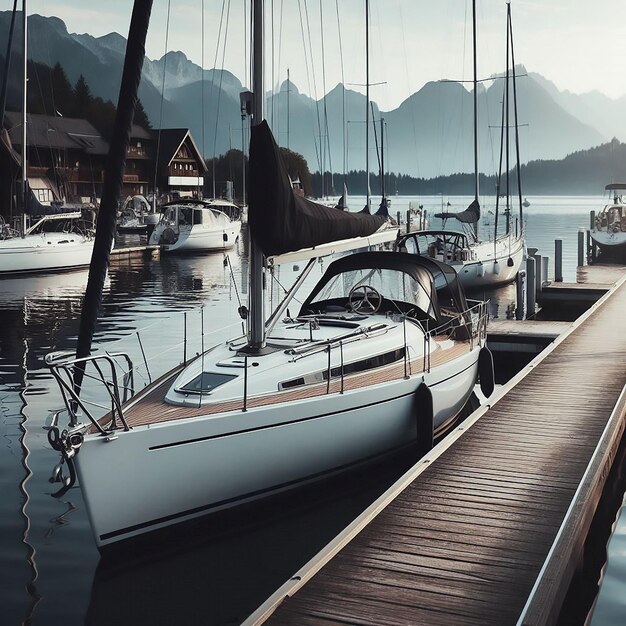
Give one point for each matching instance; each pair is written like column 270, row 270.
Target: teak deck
column 149, row 406
column 464, row 537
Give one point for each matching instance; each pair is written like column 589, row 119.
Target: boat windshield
column 401, row 292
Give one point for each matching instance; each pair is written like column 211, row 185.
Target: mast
column 519, row 175
column 7, row 64
column 476, row 189
column 382, row 158
column 288, row 90
column 113, row 180
column 367, row 101
column 256, row 324
column 507, row 210
column 24, row 103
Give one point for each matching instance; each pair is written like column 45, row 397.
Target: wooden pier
column 488, row 528
column 135, row 252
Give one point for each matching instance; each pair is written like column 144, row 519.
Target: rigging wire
column 217, row 49
column 327, row 143
column 408, row 81
column 315, row 94
column 308, row 76
column 158, row 146
column 343, row 98
column 202, row 78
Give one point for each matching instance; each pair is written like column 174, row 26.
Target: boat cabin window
column 197, row 216
column 206, row 382
column 373, row 362
column 185, row 216
column 400, row 291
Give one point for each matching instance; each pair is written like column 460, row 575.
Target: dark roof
column 139, row 132
column 169, row 141
column 47, row 131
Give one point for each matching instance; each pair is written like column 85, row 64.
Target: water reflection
column 218, row 570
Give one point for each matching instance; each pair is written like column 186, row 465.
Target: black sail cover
column 281, row 221
column 471, row 215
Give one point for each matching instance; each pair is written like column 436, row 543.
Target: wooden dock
column 592, row 282
column 135, row 252
column 488, row 527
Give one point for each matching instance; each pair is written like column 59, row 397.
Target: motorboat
column 609, row 229
column 54, row 242
column 192, row 225
column 136, row 216
column 385, row 341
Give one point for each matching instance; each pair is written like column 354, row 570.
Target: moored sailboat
column 58, row 240
column 480, row 263
column 609, row 228
column 385, row 341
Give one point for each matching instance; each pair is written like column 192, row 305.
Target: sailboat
column 479, row 263
column 609, row 228
column 57, row 240
column 383, row 352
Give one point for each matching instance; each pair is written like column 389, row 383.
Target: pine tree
column 61, row 91
column 141, row 117
column 82, row 98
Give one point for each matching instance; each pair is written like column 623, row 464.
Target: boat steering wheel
column 364, row 299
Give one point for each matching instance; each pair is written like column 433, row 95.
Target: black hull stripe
column 253, row 494
column 297, row 421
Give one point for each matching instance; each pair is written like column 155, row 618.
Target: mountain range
column 429, row 134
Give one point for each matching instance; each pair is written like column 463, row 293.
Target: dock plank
column 465, row 536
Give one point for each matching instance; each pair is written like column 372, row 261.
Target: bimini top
column 611, row 186
column 405, row 281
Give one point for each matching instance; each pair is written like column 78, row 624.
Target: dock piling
column 408, row 221
column 581, row 248
column 520, row 286
column 538, row 273
column 531, row 287
column 558, row 260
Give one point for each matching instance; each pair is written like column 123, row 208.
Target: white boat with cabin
column 609, row 231
column 480, row 263
column 53, row 243
column 197, row 226
column 382, row 353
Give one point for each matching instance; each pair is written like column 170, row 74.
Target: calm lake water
column 217, row 570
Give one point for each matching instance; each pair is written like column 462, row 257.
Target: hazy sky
column 578, row 44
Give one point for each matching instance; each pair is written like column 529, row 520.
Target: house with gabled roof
column 67, row 158
column 180, row 166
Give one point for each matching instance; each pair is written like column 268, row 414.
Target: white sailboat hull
column 44, row 253
column 201, row 240
column 166, row 473
column 490, row 265
column 609, row 241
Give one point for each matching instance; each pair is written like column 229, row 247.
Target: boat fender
column 496, row 267
column 424, row 419
column 510, row 262
column 486, row 372
column 480, row 270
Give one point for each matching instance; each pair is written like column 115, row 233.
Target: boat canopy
column 612, row 186
column 415, row 285
column 281, row 221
